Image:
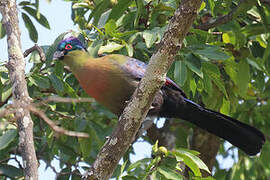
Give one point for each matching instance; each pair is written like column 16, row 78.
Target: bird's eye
column 68, row 47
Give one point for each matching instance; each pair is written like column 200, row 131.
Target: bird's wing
column 137, row 68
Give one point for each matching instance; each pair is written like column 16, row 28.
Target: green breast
column 104, row 80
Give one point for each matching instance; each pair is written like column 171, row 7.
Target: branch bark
column 221, row 19
column 137, row 109
column 21, row 99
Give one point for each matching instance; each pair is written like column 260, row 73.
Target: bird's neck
column 76, row 60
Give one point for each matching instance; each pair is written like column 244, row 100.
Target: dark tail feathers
column 241, row 135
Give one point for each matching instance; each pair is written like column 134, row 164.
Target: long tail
column 243, row 136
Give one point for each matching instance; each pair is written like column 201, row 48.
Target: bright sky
column 58, row 14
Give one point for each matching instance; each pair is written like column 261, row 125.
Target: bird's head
column 67, row 45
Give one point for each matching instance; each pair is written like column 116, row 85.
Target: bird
column 112, row 79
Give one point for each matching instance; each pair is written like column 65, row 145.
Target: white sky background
column 58, row 14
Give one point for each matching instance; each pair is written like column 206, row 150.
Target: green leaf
column 163, row 7
column 98, row 10
column 34, row 13
column 85, row 146
column 4, row 77
column 203, row 178
column 58, row 69
column 225, row 108
column 244, row 7
column 30, row 27
column 253, row 29
column 169, row 173
column 194, row 64
column 140, row 7
column 226, row 38
column 155, row 147
column 38, row 10
column 103, row 19
column 150, row 37
column 212, row 52
column 213, row 72
column 119, row 9
column 110, row 47
column 191, row 160
column 266, row 54
column 25, row 3
column 180, row 72
column 56, row 82
column 129, row 178
column 2, row 30
column 193, row 86
column 212, row 6
column 81, row 5
column 129, row 49
column 64, row 174
column 202, row 6
column 123, row 167
column 94, row 47
column 243, row 77
column 6, row 92
column 231, row 69
column 34, row 57
column 110, row 27
column 40, row 81
column 10, row 171
column 69, row 90
column 7, row 138
column 138, row 163
column 207, row 83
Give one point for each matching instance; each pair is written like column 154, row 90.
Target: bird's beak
column 58, row 55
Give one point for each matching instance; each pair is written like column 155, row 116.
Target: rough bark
column 136, row 110
column 21, row 99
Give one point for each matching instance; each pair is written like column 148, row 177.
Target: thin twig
column 65, row 100
column 18, row 162
column 7, row 110
column 38, row 49
column 6, row 101
column 54, row 127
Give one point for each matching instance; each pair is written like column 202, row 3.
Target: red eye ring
column 68, row 47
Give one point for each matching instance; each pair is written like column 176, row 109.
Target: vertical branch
column 21, row 99
column 138, row 107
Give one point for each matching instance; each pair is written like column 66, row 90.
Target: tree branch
column 21, row 99
column 136, row 110
column 222, row 19
column 35, row 48
column 54, row 127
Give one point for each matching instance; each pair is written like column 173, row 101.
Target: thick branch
column 21, row 99
column 136, row 110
